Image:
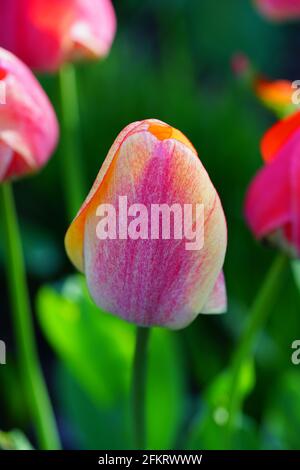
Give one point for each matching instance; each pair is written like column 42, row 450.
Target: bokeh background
column 171, row 60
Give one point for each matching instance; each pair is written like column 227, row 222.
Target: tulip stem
column 139, row 387
column 71, row 164
column 258, row 316
column 31, row 374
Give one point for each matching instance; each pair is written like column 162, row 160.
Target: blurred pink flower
column 46, row 33
column 272, row 205
column 28, row 125
column 276, row 95
column 152, row 281
column 279, row 10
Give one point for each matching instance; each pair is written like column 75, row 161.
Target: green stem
column 32, row 378
column 139, row 387
column 258, row 316
column 72, row 169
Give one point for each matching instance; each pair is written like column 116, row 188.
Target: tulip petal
column 94, row 28
column 75, row 233
column 277, row 95
column 217, row 300
column 276, row 91
column 6, row 155
column 74, row 236
column 279, row 10
column 295, row 201
column 47, row 33
column 279, row 135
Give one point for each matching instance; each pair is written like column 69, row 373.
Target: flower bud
column 46, row 33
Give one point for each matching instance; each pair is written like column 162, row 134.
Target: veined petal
column 295, row 201
column 217, row 300
column 75, row 233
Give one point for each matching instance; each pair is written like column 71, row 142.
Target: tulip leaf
column 97, row 348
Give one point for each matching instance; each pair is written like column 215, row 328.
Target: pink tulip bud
column 279, row 10
column 28, row 125
column 273, row 200
column 166, row 279
column 47, row 33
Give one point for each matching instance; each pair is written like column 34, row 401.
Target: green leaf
column 98, row 350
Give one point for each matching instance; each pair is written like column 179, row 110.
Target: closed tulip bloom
column 273, row 200
column 279, row 10
column 145, row 280
column 46, row 33
column 28, row 125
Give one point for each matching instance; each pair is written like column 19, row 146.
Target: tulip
column 28, row 125
column 272, row 203
column 152, row 281
column 47, row 33
column 279, row 10
column 276, row 95
column 28, row 135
